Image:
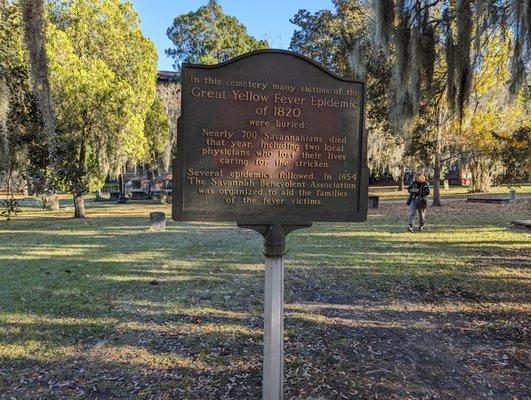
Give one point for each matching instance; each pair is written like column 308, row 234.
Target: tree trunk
column 401, row 179
column 481, row 179
column 24, row 183
column 437, row 181
column 79, row 206
column 9, row 179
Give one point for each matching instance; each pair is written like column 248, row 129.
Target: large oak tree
column 209, row 36
column 103, row 74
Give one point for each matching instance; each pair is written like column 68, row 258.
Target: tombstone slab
column 495, row 200
column 52, row 203
column 523, row 223
column 157, row 221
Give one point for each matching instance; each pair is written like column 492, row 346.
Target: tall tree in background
column 209, row 36
column 23, row 148
column 6, row 61
column 340, row 40
column 102, row 74
column 490, row 118
column 169, row 91
column 422, row 36
column 34, row 34
column 156, row 128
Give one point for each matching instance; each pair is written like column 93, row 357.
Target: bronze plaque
column 270, row 137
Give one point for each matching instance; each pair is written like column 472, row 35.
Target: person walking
column 418, row 190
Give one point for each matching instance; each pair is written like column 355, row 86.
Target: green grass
column 101, row 308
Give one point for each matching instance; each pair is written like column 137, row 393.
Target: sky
column 264, row 19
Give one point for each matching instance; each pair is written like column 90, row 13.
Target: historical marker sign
column 270, row 138
column 272, row 141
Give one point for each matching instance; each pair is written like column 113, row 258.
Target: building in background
column 143, row 178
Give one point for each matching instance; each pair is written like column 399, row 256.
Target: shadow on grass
column 117, row 312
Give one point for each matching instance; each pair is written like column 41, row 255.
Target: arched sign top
column 273, row 51
column 270, row 137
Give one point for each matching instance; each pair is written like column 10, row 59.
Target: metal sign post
column 273, row 376
column 274, row 249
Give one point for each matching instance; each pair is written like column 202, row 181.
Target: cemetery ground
column 102, row 309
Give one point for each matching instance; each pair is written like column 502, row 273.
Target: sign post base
column 273, row 376
column 274, row 249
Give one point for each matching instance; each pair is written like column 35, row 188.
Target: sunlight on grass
column 141, row 357
column 139, row 278
column 32, row 319
column 36, row 351
column 106, row 294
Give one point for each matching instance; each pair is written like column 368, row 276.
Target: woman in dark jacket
column 418, row 191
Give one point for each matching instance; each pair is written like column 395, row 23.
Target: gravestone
column 491, row 200
column 114, row 195
column 523, row 223
column 157, row 221
column 373, row 201
column 140, row 194
column 274, row 142
column 52, row 202
column 99, row 197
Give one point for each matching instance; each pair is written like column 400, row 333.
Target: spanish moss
column 522, row 43
column 403, row 77
column 357, row 61
column 415, row 62
column 426, row 48
column 385, row 15
column 463, row 68
column 4, row 113
column 450, row 63
column 34, row 26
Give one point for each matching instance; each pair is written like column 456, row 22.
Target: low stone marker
column 99, row 196
column 52, row 203
column 523, row 223
column 373, row 201
column 157, row 221
column 139, row 194
column 114, row 195
column 495, row 200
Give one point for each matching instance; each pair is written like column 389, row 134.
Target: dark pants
column 413, row 209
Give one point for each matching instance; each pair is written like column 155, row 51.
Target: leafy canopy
column 156, row 128
column 209, row 36
column 103, row 74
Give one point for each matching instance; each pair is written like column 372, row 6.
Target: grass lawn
column 392, row 193
column 102, row 309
